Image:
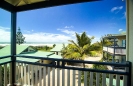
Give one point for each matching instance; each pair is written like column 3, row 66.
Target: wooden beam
column 50, row 3
column 6, row 6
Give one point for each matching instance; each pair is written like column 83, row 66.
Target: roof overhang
column 24, row 5
column 121, row 36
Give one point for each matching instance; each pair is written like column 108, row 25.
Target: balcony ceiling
column 24, row 5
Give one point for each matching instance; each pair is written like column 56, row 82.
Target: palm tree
column 78, row 50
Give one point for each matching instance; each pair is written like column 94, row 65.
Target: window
column 123, row 43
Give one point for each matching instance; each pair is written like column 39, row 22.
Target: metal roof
column 58, row 47
column 6, row 50
column 20, row 48
column 39, row 54
column 23, row 5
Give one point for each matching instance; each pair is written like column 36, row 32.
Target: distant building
column 27, row 51
column 117, row 50
column 57, row 49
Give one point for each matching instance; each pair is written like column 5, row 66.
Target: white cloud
column 42, row 37
column 5, row 28
column 118, row 8
column 46, row 37
column 36, row 36
column 69, row 32
column 69, row 27
column 4, row 35
column 120, row 30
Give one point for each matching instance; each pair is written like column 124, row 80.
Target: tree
column 78, row 50
column 19, row 37
column 54, row 45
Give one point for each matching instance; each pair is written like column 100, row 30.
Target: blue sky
column 59, row 24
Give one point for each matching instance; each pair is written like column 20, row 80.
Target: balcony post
column 13, row 48
column 129, row 36
column 113, row 60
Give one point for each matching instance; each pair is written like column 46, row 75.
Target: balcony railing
column 118, row 50
column 59, row 74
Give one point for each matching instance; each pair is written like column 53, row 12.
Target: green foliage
column 19, row 37
column 54, row 45
column 77, row 50
column 93, row 53
column 42, row 48
column 107, row 57
column 2, row 70
column 1, row 47
column 123, row 32
column 96, row 47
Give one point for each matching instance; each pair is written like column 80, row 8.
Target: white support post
column 129, row 36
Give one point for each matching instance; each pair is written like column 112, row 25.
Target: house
column 117, row 50
column 26, row 50
column 57, row 49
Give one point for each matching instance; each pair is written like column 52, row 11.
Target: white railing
column 59, row 75
column 117, row 50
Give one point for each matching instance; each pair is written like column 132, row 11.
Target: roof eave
column 43, row 4
column 6, row 6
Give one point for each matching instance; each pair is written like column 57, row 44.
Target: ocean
column 33, row 43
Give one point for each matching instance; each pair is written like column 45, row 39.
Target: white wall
column 129, row 28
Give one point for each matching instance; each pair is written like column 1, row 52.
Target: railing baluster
column 79, row 78
column 25, row 76
column 48, row 76
column 97, row 79
column 53, row 76
column 18, row 73
column 91, row 79
column 32, row 75
column 103, row 79
column 74, row 78
column 110, row 79
column 22, row 76
column 85, row 78
column 40, row 75
column 68, row 77
column 44, row 76
column 117, row 80
column 5, row 75
column 0, row 75
column 28, row 73
column 63, row 77
column 10, row 72
column 36, row 75
column 124, row 80
column 58, row 77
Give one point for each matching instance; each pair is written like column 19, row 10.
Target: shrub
column 93, row 53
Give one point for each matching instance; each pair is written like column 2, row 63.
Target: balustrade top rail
column 116, row 47
column 2, row 57
column 126, row 64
